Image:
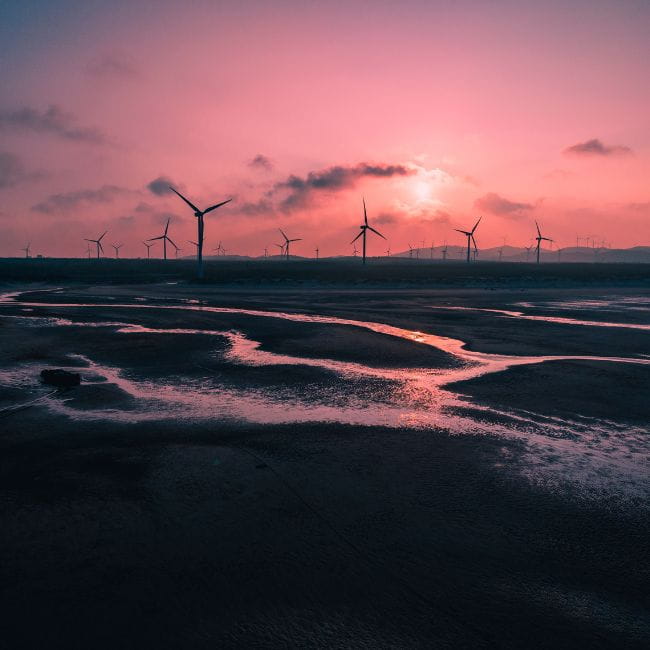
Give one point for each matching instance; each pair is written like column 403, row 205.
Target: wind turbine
column 316, row 252
column 26, row 249
column 364, row 231
column 165, row 239
column 432, row 247
column 266, row 252
column 178, row 248
column 148, row 247
column 117, row 249
column 218, row 249
column 470, row 237
column 287, row 241
column 387, row 251
column 444, row 253
column 199, row 216
column 354, row 250
column 410, row 252
column 281, row 247
column 88, row 250
column 98, row 242
column 540, row 239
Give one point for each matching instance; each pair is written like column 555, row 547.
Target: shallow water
column 358, row 394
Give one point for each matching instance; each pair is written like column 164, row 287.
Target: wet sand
column 143, row 509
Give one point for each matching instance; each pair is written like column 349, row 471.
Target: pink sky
column 436, row 112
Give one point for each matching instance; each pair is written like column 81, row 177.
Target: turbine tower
column 199, row 214
column 540, row 239
column 165, row 239
column 98, row 243
column 287, row 241
column 470, row 237
column 317, row 252
column 364, row 232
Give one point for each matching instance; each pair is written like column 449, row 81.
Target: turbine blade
column 357, row 237
column 463, row 231
column 537, row 226
column 171, row 242
column 365, row 216
column 285, row 237
column 166, row 226
column 476, row 224
column 101, row 248
column 214, row 207
column 376, row 232
column 154, row 238
column 184, row 199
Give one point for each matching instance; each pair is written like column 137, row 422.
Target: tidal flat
column 325, row 466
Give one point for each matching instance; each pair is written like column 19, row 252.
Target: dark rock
column 60, row 378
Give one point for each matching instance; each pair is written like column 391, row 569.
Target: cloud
column 13, row 172
column 502, row 207
column 332, row 179
column 69, row 200
column 112, row 65
column 595, row 147
column 160, row 186
column 52, row 121
column 261, row 162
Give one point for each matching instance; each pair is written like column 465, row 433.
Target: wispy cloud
column 596, row 147
column 112, row 65
column 499, row 205
column 261, row 162
column 69, row 200
column 13, row 172
column 52, row 121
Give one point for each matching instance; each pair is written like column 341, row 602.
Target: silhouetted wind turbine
column 148, row 247
column 354, row 250
column 364, row 231
column 470, row 237
column 317, row 252
column 178, row 248
column 98, row 242
column 281, row 247
column 410, row 252
column 444, row 253
column 387, row 251
column 165, row 239
column 26, row 249
column 199, row 216
column 287, row 241
column 540, row 239
column 117, row 249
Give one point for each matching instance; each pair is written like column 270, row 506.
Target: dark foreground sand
column 204, row 533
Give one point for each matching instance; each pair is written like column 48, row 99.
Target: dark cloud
column 385, row 218
column 70, row 200
column 13, row 172
column 126, row 221
column 261, row 162
column 112, row 65
column 436, row 218
column 501, row 206
column 263, row 207
column 331, row 179
column 160, row 186
column 52, row 121
column 595, row 147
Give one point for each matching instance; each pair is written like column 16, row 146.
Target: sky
column 437, row 112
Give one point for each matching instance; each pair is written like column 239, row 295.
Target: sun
column 421, row 190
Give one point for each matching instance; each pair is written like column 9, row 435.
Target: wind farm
column 324, row 325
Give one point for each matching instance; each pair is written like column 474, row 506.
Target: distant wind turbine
column 364, row 231
column 444, row 253
column 410, row 252
column 165, row 239
column 540, row 239
column 98, row 243
column 355, row 252
column 195, row 243
column 317, row 252
column 199, row 216
column 148, row 247
column 26, row 249
column 288, row 241
column 117, row 249
column 281, row 247
column 470, row 237
column 387, row 251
